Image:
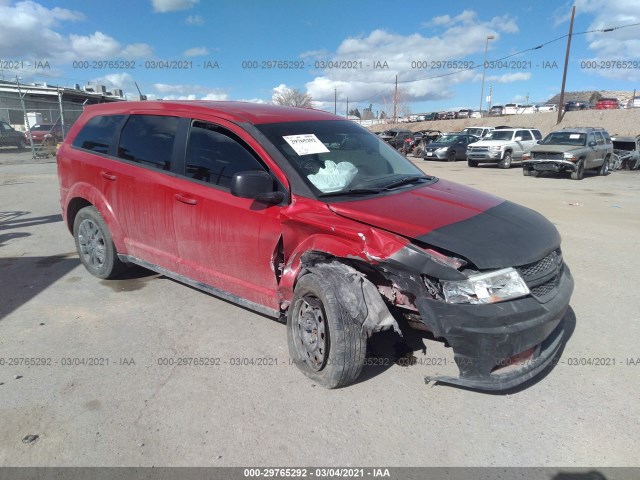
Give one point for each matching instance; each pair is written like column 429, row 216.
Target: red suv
column 45, row 133
column 300, row 214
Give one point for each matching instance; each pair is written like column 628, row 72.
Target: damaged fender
column 358, row 296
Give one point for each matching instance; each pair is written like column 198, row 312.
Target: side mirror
column 592, row 143
column 255, row 184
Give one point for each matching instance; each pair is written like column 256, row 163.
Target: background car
column 10, row 137
column 570, row 150
column 44, row 133
column 627, row 149
column 607, row 104
column 496, row 111
column 503, row 146
column 576, row 105
column 449, row 147
column 465, row 113
column 548, row 107
column 396, row 137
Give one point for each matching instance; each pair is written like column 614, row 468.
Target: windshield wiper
column 405, row 181
column 353, row 191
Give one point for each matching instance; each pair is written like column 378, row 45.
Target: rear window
column 148, row 140
column 99, row 133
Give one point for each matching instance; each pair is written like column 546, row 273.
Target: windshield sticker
column 306, row 144
column 574, row 135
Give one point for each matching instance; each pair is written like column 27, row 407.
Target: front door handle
column 108, row 175
column 184, row 199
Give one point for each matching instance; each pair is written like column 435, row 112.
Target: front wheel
column 324, row 341
column 417, row 153
column 95, row 245
column 472, row 163
column 451, row 156
column 604, row 169
column 506, row 161
column 579, row 173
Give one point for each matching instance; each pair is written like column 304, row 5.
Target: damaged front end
column 504, row 325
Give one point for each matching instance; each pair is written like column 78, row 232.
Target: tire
column 95, row 245
column 526, row 172
column 325, row 343
column 633, row 164
column 604, row 168
column 451, row 156
column 22, row 144
column 417, row 153
column 472, row 163
column 579, row 173
column 506, row 161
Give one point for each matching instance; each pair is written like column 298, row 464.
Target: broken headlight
column 492, row 287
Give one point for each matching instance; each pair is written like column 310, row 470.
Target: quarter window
column 524, row 134
column 215, row 155
column 536, row 134
column 99, row 133
column 148, row 140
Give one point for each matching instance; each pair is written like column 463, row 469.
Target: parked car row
column 41, row 134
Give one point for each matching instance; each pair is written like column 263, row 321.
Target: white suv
column 503, row 146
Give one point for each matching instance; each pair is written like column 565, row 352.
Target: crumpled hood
column 556, row 148
column 485, row 229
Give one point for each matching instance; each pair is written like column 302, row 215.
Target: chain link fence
column 42, row 120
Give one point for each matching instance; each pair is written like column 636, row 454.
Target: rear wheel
column 506, row 161
column 472, row 163
column 579, row 173
column 324, row 341
column 95, row 245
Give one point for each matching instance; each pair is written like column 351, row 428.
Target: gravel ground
column 134, row 411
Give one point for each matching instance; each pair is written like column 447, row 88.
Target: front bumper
column 485, row 156
column 499, row 346
column 544, row 165
column 426, row 155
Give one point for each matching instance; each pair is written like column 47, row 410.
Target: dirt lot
column 131, row 409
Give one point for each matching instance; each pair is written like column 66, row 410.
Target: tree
column 292, row 97
column 354, row 112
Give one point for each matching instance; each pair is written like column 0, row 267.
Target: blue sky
column 400, row 38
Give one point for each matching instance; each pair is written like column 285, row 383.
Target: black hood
column 507, row 235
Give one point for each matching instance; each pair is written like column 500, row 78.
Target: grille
column 478, row 149
column 544, row 289
column 542, row 276
column 548, row 156
column 547, row 263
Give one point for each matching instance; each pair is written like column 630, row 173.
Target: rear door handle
column 184, row 199
column 108, row 175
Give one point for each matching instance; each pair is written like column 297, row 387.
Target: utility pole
column 566, row 63
column 347, row 107
column 395, row 102
column 335, row 101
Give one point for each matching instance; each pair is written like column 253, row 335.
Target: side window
column 590, row 138
column 215, row 154
column 599, row 138
column 525, row 134
column 536, row 134
column 99, row 133
column 148, row 140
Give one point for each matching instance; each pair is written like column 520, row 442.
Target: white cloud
column 137, row 50
column 196, row 52
column 509, row 77
column 189, row 92
column 621, row 44
column 29, row 30
column 463, row 38
column 194, row 20
column 163, row 6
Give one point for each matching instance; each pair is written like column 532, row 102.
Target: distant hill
column 590, row 95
